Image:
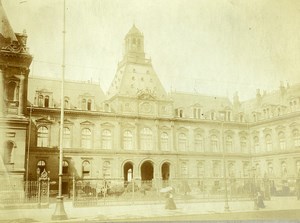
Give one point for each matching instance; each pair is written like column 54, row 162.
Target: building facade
column 138, row 126
column 137, row 129
column 14, row 70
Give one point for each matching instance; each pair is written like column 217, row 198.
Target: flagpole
column 60, row 213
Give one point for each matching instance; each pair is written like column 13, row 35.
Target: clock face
column 146, row 107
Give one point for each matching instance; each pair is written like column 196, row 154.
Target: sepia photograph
column 138, row 110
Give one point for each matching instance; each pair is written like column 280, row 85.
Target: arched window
column 8, row 152
column 270, row 168
column 243, row 141
column 127, row 140
column 164, row 141
column 256, row 144
column 106, row 139
column 200, row 169
column 229, row 146
column 216, row 168
column 65, row 166
column 83, row 104
column 298, row 168
column 199, row 143
column 67, row 137
column 214, row 143
column 86, row 138
column 184, row 169
column 42, row 137
column 182, row 142
column 10, row 92
column 106, row 169
column 282, row 144
column 46, row 103
column 41, row 166
column 283, row 169
column 146, row 139
column 89, row 105
column 231, row 170
column 246, row 169
column 268, row 143
column 296, row 138
column 86, row 169
column 41, row 101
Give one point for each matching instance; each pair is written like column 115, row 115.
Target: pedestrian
column 298, row 186
column 260, row 201
column 170, row 204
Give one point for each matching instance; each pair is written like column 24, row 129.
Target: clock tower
column 134, row 43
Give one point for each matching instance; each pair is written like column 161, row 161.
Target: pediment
column 182, row 129
column 280, row 128
column 229, row 132
column 214, row 132
column 165, row 128
column 199, row 130
column 127, row 125
column 86, row 123
column 267, row 130
column 243, row 133
column 294, row 124
column 107, row 124
column 67, row 122
column 44, row 120
column 255, row 132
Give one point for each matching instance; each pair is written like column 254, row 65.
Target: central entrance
column 147, row 171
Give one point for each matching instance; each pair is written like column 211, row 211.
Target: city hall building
column 139, row 130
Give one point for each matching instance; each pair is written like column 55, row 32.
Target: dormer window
column 197, row 112
column 212, row 116
column 41, row 101
column 83, row 104
column 44, row 98
column 89, row 105
column 46, row 102
column 180, row 113
column 66, row 103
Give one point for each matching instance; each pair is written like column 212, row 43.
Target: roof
column 7, row 34
column 134, row 31
column 184, row 100
column 72, row 89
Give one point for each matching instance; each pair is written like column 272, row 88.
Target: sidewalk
column 132, row 212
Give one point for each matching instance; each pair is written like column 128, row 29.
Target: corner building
column 138, row 126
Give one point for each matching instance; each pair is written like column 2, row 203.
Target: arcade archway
column 128, row 171
column 147, row 171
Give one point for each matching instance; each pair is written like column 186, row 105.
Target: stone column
column 156, row 135
column 137, row 135
column 173, row 137
column 21, row 96
column 119, row 136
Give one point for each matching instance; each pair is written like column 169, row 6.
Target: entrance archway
column 165, row 171
column 147, row 171
column 128, row 171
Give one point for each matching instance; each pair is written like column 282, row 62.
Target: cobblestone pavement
column 139, row 212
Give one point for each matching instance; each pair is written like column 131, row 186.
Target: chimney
column 258, row 96
column 236, row 101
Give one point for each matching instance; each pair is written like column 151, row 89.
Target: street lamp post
column 60, row 213
column 226, row 205
column 254, row 189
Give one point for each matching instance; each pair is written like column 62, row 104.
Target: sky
column 198, row 46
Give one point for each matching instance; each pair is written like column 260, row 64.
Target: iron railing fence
column 92, row 192
column 16, row 194
column 100, row 191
